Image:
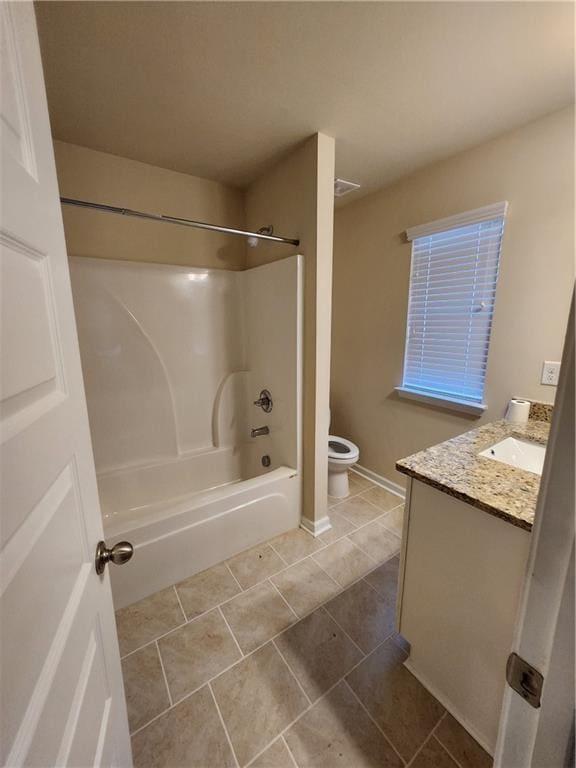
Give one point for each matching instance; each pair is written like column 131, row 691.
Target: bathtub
column 194, row 528
column 173, row 359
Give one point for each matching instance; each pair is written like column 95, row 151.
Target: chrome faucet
column 264, row 401
column 260, row 431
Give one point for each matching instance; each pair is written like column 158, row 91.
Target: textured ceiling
column 221, row 89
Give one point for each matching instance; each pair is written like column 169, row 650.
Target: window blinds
column 452, row 291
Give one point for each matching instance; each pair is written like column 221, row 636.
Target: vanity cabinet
column 461, row 576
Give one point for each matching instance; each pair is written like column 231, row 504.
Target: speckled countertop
column 499, row 489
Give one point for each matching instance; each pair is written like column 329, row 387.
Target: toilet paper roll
column 518, row 411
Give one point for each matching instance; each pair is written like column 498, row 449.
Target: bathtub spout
column 260, row 431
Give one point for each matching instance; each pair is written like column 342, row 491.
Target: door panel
column 61, row 695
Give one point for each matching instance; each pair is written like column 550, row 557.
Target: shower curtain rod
column 176, row 220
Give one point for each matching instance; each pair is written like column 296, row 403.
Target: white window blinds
column 452, row 291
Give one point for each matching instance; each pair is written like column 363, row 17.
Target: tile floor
column 286, row 655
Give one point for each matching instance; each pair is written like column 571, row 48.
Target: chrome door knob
column 119, row 554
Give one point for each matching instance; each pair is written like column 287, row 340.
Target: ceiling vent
column 343, row 187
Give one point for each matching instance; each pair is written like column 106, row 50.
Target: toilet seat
column 342, row 450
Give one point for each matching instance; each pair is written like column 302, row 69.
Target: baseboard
column 449, row 707
column 379, row 480
column 316, row 527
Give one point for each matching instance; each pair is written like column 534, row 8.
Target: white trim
column 450, row 403
column 448, row 706
column 396, row 488
column 316, row 527
column 485, row 213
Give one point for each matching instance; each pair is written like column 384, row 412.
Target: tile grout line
column 186, row 621
column 439, row 740
column 383, row 527
column 231, row 574
column 370, row 557
column 374, row 504
column 159, row 637
column 386, row 528
column 427, row 739
column 273, row 548
column 153, row 720
column 223, row 725
column 442, row 745
column 318, row 700
column 341, row 589
column 283, row 598
column 372, row 485
column 358, row 527
column 359, row 700
column 164, row 674
column 324, row 546
column 221, row 612
column 280, row 735
column 445, row 748
column 199, row 687
column 341, row 628
column 307, row 709
column 371, row 585
column 290, row 755
column 180, row 604
column 322, row 605
column 343, row 501
column 238, row 661
column 420, row 748
column 285, row 660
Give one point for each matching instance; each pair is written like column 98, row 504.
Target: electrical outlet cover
column 550, row 373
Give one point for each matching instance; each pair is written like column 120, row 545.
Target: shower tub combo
column 174, row 359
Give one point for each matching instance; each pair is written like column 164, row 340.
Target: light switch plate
column 550, row 373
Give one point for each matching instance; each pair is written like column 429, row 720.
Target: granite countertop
column 499, row 489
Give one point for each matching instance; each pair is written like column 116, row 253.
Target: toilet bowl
column 342, row 454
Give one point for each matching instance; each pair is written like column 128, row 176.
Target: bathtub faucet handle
column 264, row 401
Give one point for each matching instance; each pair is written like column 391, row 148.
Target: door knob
column 119, row 554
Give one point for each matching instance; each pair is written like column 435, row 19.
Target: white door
column 62, row 700
column 543, row 736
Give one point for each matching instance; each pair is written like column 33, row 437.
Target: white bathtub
column 173, row 359
column 175, row 538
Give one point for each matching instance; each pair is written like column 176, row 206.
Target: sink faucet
column 260, row 431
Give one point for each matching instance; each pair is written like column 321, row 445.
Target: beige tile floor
column 286, row 655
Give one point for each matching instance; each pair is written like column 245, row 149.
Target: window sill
column 452, row 404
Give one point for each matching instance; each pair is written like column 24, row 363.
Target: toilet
column 342, row 454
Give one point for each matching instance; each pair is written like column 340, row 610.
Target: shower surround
column 173, row 359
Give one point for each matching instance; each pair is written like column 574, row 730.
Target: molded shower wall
column 173, row 358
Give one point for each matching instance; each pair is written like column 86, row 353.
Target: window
column 453, row 279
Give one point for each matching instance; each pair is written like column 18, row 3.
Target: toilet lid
column 341, row 449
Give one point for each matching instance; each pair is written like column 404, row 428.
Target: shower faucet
column 264, row 401
column 260, row 431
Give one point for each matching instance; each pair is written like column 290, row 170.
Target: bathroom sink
column 523, row 454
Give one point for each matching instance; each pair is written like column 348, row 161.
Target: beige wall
column 86, row 174
column 532, row 168
column 297, row 197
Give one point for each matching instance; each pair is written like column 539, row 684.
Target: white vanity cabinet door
column 461, row 581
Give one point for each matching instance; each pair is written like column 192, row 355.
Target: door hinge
column 524, row 679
